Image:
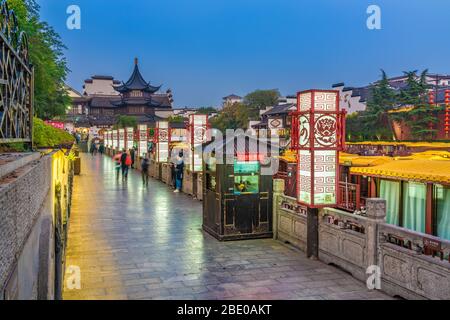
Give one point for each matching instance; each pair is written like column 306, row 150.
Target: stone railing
column 348, row 240
column 412, row 265
column 288, row 219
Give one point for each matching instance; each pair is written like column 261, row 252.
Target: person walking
column 93, row 148
column 145, row 164
column 132, row 154
column 117, row 161
column 125, row 161
column 179, row 168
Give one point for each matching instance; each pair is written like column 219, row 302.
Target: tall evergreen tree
column 375, row 120
column 420, row 119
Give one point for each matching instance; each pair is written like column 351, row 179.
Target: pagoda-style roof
column 136, row 82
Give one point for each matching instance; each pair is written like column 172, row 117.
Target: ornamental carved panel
column 16, row 81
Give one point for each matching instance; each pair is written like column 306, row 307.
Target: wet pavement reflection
column 136, row 242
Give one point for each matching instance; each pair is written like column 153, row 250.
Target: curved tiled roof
column 137, row 82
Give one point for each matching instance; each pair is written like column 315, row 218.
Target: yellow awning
column 412, row 169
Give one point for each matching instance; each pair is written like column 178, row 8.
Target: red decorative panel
column 320, row 135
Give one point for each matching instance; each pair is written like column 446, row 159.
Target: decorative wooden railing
column 16, row 81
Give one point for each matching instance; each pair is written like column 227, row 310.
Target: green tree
column 206, row 110
column 235, row 116
column 125, row 122
column 420, row 119
column 261, row 99
column 375, row 120
column 47, row 57
column 176, row 119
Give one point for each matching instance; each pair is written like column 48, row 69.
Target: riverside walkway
column 132, row 242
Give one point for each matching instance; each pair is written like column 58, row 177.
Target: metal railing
column 16, row 81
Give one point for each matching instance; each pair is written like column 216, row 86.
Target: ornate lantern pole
column 197, row 129
column 142, row 138
column 162, row 140
column 319, row 136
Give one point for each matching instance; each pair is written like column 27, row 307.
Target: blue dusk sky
column 206, row 49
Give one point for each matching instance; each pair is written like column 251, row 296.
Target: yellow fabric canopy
column 412, row 169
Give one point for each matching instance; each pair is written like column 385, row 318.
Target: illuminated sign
column 197, row 132
column 142, row 145
column 130, row 138
column 162, row 139
column 121, row 139
column 318, row 138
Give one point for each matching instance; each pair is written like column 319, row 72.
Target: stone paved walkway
column 136, row 243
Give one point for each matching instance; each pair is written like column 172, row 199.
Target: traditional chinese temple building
column 105, row 98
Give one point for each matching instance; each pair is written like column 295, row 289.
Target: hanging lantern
column 319, row 136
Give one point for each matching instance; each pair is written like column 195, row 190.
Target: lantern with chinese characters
column 142, row 138
column 197, row 135
column 130, row 138
column 162, row 140
column 121, row 139
column 319, row 136
column 115, row 140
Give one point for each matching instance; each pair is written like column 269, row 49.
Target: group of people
column 97, row 147
column 126, row 160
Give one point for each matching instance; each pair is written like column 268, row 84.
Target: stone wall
column 24, row 203
column 354, row 243
column 27, row 225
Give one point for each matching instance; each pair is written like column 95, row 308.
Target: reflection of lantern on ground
column 197, row 136
column 319, row 136
column 162, row 140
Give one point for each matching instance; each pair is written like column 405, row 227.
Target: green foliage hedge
column 46, row 136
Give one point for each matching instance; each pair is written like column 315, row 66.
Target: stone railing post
column 376, row 212
column 278, row 191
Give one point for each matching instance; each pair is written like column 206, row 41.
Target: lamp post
column 162, row 140
column 319, row 135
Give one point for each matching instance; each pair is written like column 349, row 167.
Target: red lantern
column 319, row 136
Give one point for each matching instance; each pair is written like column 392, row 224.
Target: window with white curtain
column 390, row 191
column 414, row 206
column 442, row 205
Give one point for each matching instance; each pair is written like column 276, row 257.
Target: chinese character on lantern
column 319, row 136
column 130, row 138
